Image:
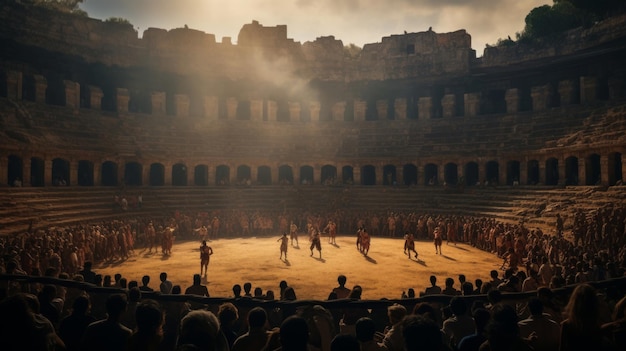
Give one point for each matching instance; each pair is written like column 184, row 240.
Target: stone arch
column 552, row 171
column 108, row 173
column 179, row 174
column 451, row 173
column 157, row 174
column 285, row 175
column 409, row 174
column 615, row 168
column 571, row 170
column 222, row 175
column 243, row 110
column 329, row 174
column 133, row 172
column 201, row 175
column 15, row 168
column 55, row 91
column 471, row 174
column 512, row 172
column 532, row 172
column 492, row 172
column 347, row 175
column 60, row 172
column 85, row 173
column 243, row 174
column 431, row 174
column 593, row 170
column 306, row 175
column 37, row 172
column 368, row 175
column 390, row 175
column 264, row 175
column 371, row 111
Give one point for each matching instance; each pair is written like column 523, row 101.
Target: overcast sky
column 351, row 21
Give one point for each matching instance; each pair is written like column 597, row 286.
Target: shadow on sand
column 448, row 257
column 370, row 260
column 319, row 259
column 287, row 263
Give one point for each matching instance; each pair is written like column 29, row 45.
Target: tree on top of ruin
column 67, row 6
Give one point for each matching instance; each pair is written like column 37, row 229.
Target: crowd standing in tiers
column 38, row 316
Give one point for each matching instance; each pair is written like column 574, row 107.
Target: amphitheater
column 91, row 111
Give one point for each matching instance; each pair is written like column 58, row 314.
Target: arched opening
column 552, row 171
column 60, row 172
column 431, row 176
column 471, row 174
column 132, row 174
column 157, row 174
column 201, row 175
column 243, row 110
column 493, row 172
column 329, row 174
column 615, row 168
column 306, row 175
column 85, row 173
column 409, row 175
column 222, row 175
column 285, row 175
column 532, row 172
column 108, row 173
column 179, row 175
column 368, row 175
column 450, row 174
column 15, row 168
column 571, row 170
column 347, row 175
column 37, row 170
column 593, row 170
column 264, row 175
column 390, row 176
column 512, row 172
column 243, row 175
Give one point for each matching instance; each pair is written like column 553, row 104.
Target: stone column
column 380, row 174
column 588, row 90
column 400, row 174
column 360, row 106
column 73, row 173
column 512, row 98
column 14, row 85
column 317, row 175
column 582, row 171
column 121, row 171
column 448, row 103
column 158, row 100
column 47, row 172
column 425, row 107
column 482, row 171
column 256, row 110
column 41, row 85
column 167, row 177
column 400, row 108
column 615, row 88
column 4, row 175
column 145, row 173
column 210, row 109
column 295, row 110
column 472, row 104
column 191, row 173
column 211, row 175
column 231, row 108
column 97, row 173
column 542, row 171
column 26, row 170
column 381, row 109
column 541, row 97
column 315, row 107
column 338, row 111
column 272, row 109
column 523, row 172
column 604, row 169
column 566, row 92
column 356, row 174
column 95, row 97
column 122, row 98
column 182, row 105
column 562, row 171
column 72, row 94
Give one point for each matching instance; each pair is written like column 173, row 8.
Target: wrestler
column 293, row 233
column 331, row 229
column 205, row 256
column 365, row 242
column 150, row 237
column 409, row 244
column 284, row 241
column 316, row 242
column 438, row 240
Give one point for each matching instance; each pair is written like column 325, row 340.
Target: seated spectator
column 393, row 339
column 544, row 331
column 472, row 342
column 365, row 331
column 321, row 326
column 108, row 334
column 166, row 286
column 200, row 330
column 433, row 289
column 294, row 334
column 257, row 335
column 616, row 330
column 449, row 289
column 344, row 343
column 149, row 332
column 421, row 334
column 228, row 316
column 459, row 325
column 72, row 327
column 503, row 331
column 341, row 291
column 145, row 280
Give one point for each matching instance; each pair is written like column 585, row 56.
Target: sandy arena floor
column 385, row 272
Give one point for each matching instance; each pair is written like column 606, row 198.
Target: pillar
column 4, row 175
column 145, row 174
column 566, row 92
column 356, row 174
column 73, row 173
column 360, row 106
column 472, row 104
column 41, row 85
column 482, row 171
column 191, row 172
column 47, row 172
column 380, row 174
column 122, row 98
column 14, row 85
column 95, row 97
column 588, row 90
column 26, row 170
column 604, row 169
column 338, row 111
column 541, row 97
column 315, row 107
column 562, row 172
column 97, row 173
column 317, row 175
column 210, row 108
column 448, row 103
column 72, row 94
column 158, row 103
column 615, row 88
column 272, row 109
column 582, row 171
column 382, row 109
column 167, row 177
column 181, row 102
column 400, row 108
column 295, row 110
column 211, row 175
column 425, row 107
column 523, row 172
column 512, row 98
column 231, row 108
column 399, row 174
column 256, row 110
column 542, row 172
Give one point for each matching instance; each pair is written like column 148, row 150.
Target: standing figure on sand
column 284, row 241
column 315, row 242
column 168, row 239
column 331, row 229
column 409, row 244
column 438, row 240
column 363, row 241
column 205, row 255
column 293, row 233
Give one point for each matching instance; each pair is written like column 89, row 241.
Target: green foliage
column 547, row 21
column 352, row 50
column 68, row 6
column 118, row 20
column 597, row 9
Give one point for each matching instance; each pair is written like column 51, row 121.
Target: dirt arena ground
column 385, row 272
